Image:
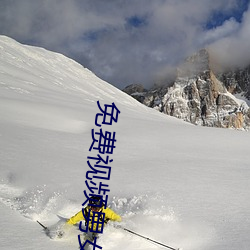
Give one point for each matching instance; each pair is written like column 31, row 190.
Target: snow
column 182, row 185
column 242, row 99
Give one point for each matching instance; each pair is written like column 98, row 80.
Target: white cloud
column 97, row 32
column 228, row 28
column 233, row 50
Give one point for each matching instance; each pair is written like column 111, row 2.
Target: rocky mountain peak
column 200, row 96
column 197, row 64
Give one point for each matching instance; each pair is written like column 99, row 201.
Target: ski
column 61, row 217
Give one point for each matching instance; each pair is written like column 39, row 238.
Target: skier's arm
column 110, row 214
column 76, row 218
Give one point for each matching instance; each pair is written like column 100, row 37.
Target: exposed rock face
column 137, row 91
column 237, row 81
column 197, row 96
column 134, row 88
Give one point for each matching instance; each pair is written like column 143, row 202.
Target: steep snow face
column 179, row 184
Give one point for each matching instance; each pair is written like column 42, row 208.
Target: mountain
column 182, row 185
column 202, row 97
column 237, row 81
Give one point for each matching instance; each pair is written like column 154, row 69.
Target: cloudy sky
column 131, row 41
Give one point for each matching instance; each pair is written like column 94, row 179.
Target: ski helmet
column 95, row 201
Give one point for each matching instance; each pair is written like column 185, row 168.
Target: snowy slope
column 182, row 185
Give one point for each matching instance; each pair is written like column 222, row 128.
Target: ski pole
column 149, row 239
column 45, row 228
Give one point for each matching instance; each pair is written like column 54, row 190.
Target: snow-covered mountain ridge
column 39, row 68
column 202, row 97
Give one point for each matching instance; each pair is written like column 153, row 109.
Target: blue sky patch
column 136, row 21
column 219, row 17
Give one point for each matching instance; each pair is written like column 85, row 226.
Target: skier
column 95, row 215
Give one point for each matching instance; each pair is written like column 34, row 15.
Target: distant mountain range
column 201, row 94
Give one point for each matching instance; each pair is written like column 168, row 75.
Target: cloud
column 121, row 41
column 232, row 50
column 228, row 28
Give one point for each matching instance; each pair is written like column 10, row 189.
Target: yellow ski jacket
column 109, row 215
